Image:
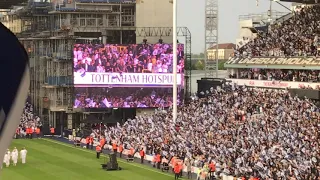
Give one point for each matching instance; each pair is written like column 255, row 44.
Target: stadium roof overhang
column 7, row 4
column 300, row 1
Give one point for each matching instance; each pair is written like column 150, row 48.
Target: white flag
column 106, row 102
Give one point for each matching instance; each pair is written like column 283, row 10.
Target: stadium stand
column 298, row 36
column 279, row 74
column 28, row 120
column 284, row 56
column 246, row 132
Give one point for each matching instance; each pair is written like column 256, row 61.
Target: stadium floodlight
column 175, row 61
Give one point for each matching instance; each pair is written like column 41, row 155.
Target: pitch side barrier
column 148, row 158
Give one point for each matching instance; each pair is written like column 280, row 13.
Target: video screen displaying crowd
column 121, row 97
column 28, row 120
column 266, row 134
column 133, row 58
column 297, row 36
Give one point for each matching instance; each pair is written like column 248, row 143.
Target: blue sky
column 191, row 15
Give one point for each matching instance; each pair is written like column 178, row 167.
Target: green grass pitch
column 53, row 160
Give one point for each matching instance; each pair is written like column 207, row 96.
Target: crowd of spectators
column 124, row 97
column 134, row 58
column 297, row 36
column 279, row 75
column 308, row 76
column 266, row 134
column 28, row 120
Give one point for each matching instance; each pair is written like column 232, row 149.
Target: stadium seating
column 28, row 119
column 297, row 36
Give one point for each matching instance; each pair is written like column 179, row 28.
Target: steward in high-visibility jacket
column 98, row 150
column 212, row 169
column 176, row 170
column 88, row 142
column 154, row 160
column 114, row 148
column 52, row 131
column 158, row 160
column 131, row 153
column 102, row 142
column 38, row 131
column 91, row 142
column 120, row 149
column 31, row 133
column 142, row 154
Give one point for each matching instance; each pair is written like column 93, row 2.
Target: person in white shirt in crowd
column 164, row 67
column 150, row 66
column 100, row 69
column 159, row 67
column 79, row 54
column 23, row 155
column 14, row 156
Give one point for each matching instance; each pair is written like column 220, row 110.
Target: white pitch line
column 92, row 152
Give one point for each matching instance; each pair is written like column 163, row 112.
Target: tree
column 199, row 65
column 201, row 55
column 221, row 65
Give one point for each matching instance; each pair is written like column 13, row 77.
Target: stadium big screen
column 126, row 76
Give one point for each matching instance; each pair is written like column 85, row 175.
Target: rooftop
column 7, row 4
column 300, row 1
column 224, row 46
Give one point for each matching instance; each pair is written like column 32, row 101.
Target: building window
column 100, row 20
column 82, row 22
column 91, row 22
column 74, row 19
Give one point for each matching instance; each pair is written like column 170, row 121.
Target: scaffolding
column 49, row 31
column 211, row 38
column 51, row 70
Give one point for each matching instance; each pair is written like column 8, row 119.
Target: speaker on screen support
column 112, row 164
column 206, row 83
column 110, row 167
column 113, row 158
